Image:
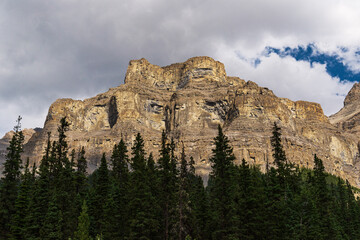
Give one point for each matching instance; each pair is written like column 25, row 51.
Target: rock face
column 188, row 100
column 4, row 143
column 348, row 118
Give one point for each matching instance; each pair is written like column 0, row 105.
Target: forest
column 134, row 196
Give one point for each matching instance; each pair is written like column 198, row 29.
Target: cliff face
column 348, row 118
column 4, row 143
column 188, row 100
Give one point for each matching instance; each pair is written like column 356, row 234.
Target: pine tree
column 167, row 178
column 322, row 199
column 100, row 196
column 282, row 181
column 223, row 189
column 115, row 208
column 307, row 225
column 182, row 223
column 64, row 181
column 143, row 222
column 21, row 205
column 119, row 161
column 82, row 232
column 40, row 197
column 51, row 228
column 81, row 174
column 250, row 199
column 278, row 152
column 11, row 180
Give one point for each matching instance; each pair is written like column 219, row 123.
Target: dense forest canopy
column 134, row 196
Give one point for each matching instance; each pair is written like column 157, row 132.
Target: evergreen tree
column 200, row 208
column 192, row 166
column 143, row 222
column 115, row 206
column 40, row 197
column 81, row 175
column 51, row 229
column 278, row 152
column 82, row 232
column 167, row 178
column 223, row 189
column 100, row 196
column 119, row 161
column 323, row 200
column 182, row 223
column 64, row 181
column 250, row 199
column 21, row 205
column 11, row 180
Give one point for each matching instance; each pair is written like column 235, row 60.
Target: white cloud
column 292, row 79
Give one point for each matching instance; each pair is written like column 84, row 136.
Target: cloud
column 339, row 63
column 296, row 80
column 80, row 48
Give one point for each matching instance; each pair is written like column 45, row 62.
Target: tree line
column 132, row 196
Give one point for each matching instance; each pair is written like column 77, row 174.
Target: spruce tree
column 64, row 181
column 223, row 189
column 18, row 224
column 167, row 178
column 278, row 152
column 250, row 199
column 119, row 161
column 99, row 198
column 322, row 199
column 82, row 232
column 116, row 205
column 10, row 180
column 51, row 229
column 81, row 174
column 182, row 223
column 281, row 188
column 40, row 197
column 143, row 222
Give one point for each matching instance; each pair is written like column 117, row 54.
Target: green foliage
column 10, row 180
column 18, row 223
column 143, row 221
column 51, row 229
column 168, row 182
column 165, row 199
column 99, row 197
column 224, row 188
column 82, row 232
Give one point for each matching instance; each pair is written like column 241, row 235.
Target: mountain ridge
column 188, row 100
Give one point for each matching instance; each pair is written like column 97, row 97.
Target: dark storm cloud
column 53, row 49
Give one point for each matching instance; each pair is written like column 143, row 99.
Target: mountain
column 188, row 100
column 4, row 142
column 348, row 118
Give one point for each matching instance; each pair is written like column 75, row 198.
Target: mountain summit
column 188, row 100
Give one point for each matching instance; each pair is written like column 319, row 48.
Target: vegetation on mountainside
column 132, row 196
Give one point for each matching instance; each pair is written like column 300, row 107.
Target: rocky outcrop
column 348, row 118
column 188, row 100
column 4, row 143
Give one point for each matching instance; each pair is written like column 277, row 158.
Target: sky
column 302, row 50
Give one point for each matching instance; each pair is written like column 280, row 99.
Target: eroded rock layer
column 188, row 100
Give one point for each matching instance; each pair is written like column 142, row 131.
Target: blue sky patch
column 334, row 63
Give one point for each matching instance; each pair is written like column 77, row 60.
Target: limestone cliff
column 348, row 118
column 188, row 100
column 4, row 143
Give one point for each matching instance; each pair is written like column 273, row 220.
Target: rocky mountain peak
column 196, row 71
column 353, row 95
column 348, row 117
